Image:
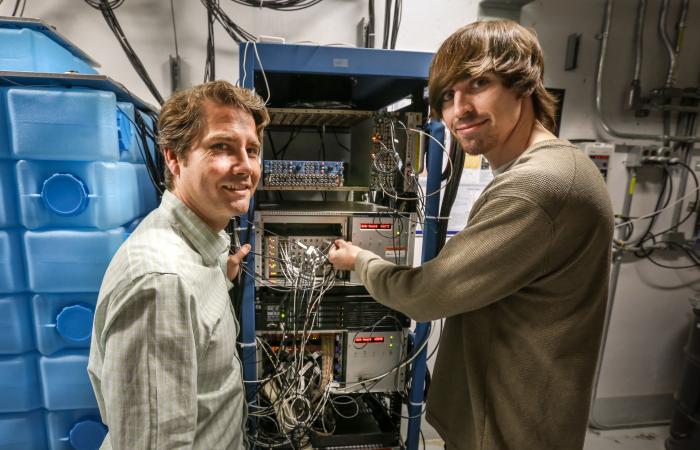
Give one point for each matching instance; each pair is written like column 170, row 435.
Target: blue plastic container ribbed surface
column 22, row 431
column 8, row 195
column 126, row 132
column 64, row 381
column 25, row 50
column 72, row 184
column 12, row 276
column 101, row 195
column 75, row 124
column 61, row 261
column 62, row 321
column 75, row 430
column 16, row 334
column 19, row 383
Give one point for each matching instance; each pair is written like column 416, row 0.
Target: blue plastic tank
column 64, row 381
column 31, row 51
column 62, row 261
column 62, row 321
column 126, row 131
column 74, row 430
column 103, row 195
column 15, row 325
column 12, row 277
column 4, row 130
column 8, row 195
column 22, row 431
column 19, row 383
column 71, row 124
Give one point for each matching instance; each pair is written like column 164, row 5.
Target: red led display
column 375, row 226
column 367, row 340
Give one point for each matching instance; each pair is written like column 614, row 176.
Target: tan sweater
column 524, row 290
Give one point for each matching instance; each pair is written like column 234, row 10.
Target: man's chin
column 470, row 148
column 239, row 207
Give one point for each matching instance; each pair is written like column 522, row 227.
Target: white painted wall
column 148, row 27
column 649, row 322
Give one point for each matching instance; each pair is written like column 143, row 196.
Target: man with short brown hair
column 524, row 285
column 163, row 360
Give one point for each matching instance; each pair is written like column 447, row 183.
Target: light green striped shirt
column 163, row 359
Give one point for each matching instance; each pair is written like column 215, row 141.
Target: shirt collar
column 208, row 243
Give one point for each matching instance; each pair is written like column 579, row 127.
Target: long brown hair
column 502, row 47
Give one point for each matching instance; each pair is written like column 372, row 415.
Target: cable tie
column 437, row 217
column 246, row 344
column 416, row 404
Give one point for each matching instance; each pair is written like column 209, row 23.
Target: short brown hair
column 181, row 120
column 502, row 47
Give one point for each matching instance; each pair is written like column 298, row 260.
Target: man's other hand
column 233, row 266
column 343, row 254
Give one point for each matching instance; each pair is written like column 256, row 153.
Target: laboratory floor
column 651, row 438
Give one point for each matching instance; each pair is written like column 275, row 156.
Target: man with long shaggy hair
column 524, row 285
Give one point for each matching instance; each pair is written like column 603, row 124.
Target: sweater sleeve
column 503, row 248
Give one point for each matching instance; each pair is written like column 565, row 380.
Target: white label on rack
column 341, row 62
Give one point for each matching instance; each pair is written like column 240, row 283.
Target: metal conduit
column 599, row 91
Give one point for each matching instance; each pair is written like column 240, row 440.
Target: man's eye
column 448, row 95
column 253, row 151
column 219, row 146
column 480, row 82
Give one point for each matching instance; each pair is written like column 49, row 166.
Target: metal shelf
column 316, row 117
column 316, row 188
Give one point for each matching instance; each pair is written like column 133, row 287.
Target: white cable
column 245, row 60
column 659, row 211
column 262, row 69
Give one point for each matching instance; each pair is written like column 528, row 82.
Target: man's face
column 481, row 113
column 219, row 174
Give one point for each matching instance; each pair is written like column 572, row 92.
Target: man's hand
column 342, row 255
column 233, row 266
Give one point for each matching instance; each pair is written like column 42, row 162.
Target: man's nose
column 240, row 163
column 462, row 104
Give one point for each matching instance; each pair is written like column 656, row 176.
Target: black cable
column 16, row 8
column 387, row 23
column 172, row 15
column 450, row 194
column 279, row 5
column 398, row 11
column 107, row 9
column 155, row 165
column 97, row 4
column 695, row 202
column 209, row 66
column 321, row 134
column 237, row 33
column 337, row 140
column 292, row 136
column 667, row 180
column 369, row 34
column 272, row 143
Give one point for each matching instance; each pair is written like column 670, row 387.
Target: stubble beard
column 477, row 145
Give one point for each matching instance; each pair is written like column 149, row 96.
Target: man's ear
column 172, row 161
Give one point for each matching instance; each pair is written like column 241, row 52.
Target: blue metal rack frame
column 385, row 65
